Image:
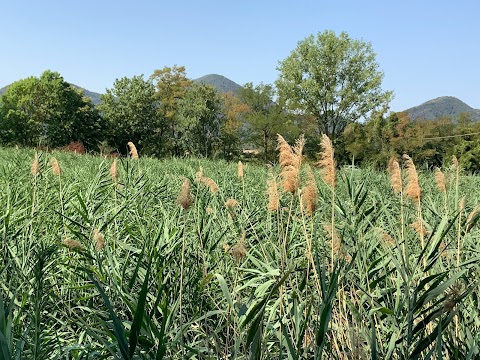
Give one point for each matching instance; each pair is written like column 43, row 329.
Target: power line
column 450, row 136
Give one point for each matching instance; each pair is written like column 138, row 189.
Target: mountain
column 219, row 82
column 445, row 106
column 95, row 97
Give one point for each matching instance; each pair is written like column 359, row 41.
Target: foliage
column 171, row 84
column 100, row 264
column 50, row 112
column 334, row 78
column 130, row 109
column 200, row 120
column 265, row 118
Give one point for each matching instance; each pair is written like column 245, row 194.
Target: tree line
column 329, row 84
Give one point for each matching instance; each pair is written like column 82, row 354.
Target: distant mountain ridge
column 220, row 83
column 444, row 106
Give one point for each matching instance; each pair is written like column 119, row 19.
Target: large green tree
column 130, row 109
column 334, row 78
column 265, row 117
column 171, row 84
column 48, row 111
column 200, row 122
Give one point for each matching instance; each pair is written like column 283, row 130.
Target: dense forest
column 168, row 114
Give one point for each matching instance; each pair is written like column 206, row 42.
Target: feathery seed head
column 73, row 245
column 440, row 180
column 413, row 190
column 55, row 166
column 395, row 175
column 455, row 164
column 231, row 204
column 272, row 191
column 240, row 170
column 99, row 239
column 184, row 197
column 114, row 170
column 472, row 218
column 419, row 228
column 238, row 250
column 35, row 165
column 133, row 150
column 327, row 161
column 310, row 194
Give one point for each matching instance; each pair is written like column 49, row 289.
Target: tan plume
column 35, row 169
column 472, row 218
column 395, row 175
column 55, row 166
column 440, row 180
column 133, row 150
column 73, row 245
column 240, row 170
column 327, row 161
column 273, row 196
column 290, row 160
column 114, row 170
column 310, row 194
column 99, row 239
column 413, row 190
column 184, row 197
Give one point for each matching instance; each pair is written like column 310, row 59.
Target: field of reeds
column 137, row 258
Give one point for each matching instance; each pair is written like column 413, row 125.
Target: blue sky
column 425, row 48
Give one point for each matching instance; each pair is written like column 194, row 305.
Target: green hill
column 219, row 82
column 445, row 106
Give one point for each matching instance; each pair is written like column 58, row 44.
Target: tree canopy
column 48, row 111
column 131, row 111
column 334, row 78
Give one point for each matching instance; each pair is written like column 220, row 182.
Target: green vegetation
column 118, row 259
column 329, row 84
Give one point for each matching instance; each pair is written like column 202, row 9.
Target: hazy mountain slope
column 445, row 106
column 221, row 83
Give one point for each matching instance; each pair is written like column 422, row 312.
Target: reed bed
column 137, row 258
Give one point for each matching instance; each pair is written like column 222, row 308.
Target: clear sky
column 425, row 48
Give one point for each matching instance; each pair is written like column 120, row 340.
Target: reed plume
column 133, row 150
column 455, row 164
column 210, row 184
column 231, row 204
column 35, row 168
column 387, row 238
column 199, row 175
column 73, row 245
column 290, row 160
column 472, row 218
column 184, row 197
column 114, row 170
column 395, row 175
column 240, row 170
column 461, row 204
column 418, row 226
column 99, row 239
column 413, row 190
column 310, row 194
column 55, row 166
column 327, row 161
column 273, row 196
column 440, row 180
column 238, row 250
